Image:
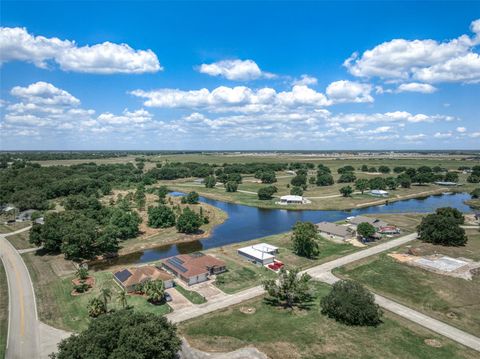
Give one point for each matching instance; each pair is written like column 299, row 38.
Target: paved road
column 323, row 273
column 27, row 337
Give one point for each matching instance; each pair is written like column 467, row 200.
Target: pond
column 246, row 223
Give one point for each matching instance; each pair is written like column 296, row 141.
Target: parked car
column 168, row 297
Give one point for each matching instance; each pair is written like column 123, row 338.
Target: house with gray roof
column 334, row 230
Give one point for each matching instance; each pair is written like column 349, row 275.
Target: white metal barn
column 262, row 253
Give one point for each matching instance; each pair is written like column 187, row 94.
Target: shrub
column 189, row 221
column 266, row 193
column 161, row 217
column 296, row 191
column 350, row 303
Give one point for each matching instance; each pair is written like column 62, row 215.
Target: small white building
column 379, row 193
column 262, row 253
column 291, row 199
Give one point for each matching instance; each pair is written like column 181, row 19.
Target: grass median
column 3, row 311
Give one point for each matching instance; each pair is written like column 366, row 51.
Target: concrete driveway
column 178, row 302
column 208, row 290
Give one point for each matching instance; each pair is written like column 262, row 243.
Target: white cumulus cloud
column 416, row 87
column 349, row 91
column 105, row 58
column 236, row 70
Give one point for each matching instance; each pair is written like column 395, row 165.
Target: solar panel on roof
column 123, row 275
column 176, row 264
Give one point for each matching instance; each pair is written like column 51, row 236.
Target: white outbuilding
column 291, row 199
column 262, row 253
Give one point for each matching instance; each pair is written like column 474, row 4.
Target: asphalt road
column 28, row 338
column 323, row 273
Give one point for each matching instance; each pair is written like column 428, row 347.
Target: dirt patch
column 247, row 310
column 452, row 315
column 433, row 343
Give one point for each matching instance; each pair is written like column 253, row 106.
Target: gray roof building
column 373, row 221
column 334, row 229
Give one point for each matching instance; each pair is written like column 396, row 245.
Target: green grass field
column 308, row 334
column 3, row 310
column 242, row 274
column 7, row 228
column 57, row 307
column 191, row 295
column 20, row 240
column 452, row 300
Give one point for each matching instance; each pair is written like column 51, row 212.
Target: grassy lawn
column 56, row 305
column 308, row 334
column 453, row 300
column 242, row 274
column 3, row 310
column 7, row 228
column 191, row 295
column 20, row 240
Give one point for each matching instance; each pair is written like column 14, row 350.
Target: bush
column 210, row 182
column 161, row 217
column 347, row 177
column 324, row 179
column 350, row 303
column 475, row 193
column 191, row 198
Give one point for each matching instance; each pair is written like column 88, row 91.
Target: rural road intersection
column 29, row 338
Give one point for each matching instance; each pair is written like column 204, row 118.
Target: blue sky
column 252, row 75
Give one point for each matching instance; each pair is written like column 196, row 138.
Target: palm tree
column 96, row 307
column 106, row 295
column 122, row 298
column 82, row 273
column 154, row 291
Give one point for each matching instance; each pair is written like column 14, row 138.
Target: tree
column 312, row 180
column 266, row 193
column 451, row 177
column 384, row 169
column 162, row 192
column 404, row 180
column 377, row 183
column 268, row 177
column 191, row 198
column 324, row 179
column 366, row 230
column 188, row 222
column 391, row 183
column 423, row 177
column 126, row 222
column 296, row 191
column 105, row 295
column 140, row 198
column 154, row 290
column 323, row 169
column 210, row 181
column 347, row 177
column 361, row 184
column 122, row 298
column 345, row 169
column 473, row 178
column 231, row 186
column 299, row 181
column 290, row 289
column 82, row 273
column 96, row 307
column 475, row 193
column 452, row 213
column 123, row 334
column 346, row 191
column 364, row 168
column 161, row 217
column 305, row 239
column 350, row 303
column 399, row 169
column 443, row 230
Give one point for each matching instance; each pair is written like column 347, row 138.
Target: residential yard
column 191, row 295
column 3, row 310
column 57, row 307
column 242, row 274
column 308, row 334
column 20, row 240
column 453, row 300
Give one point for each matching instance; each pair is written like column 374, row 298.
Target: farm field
column 307, row 333
column 453, row 300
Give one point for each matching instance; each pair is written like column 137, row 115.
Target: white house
column 379, row 193
column 291, row 199
column 262, row 253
